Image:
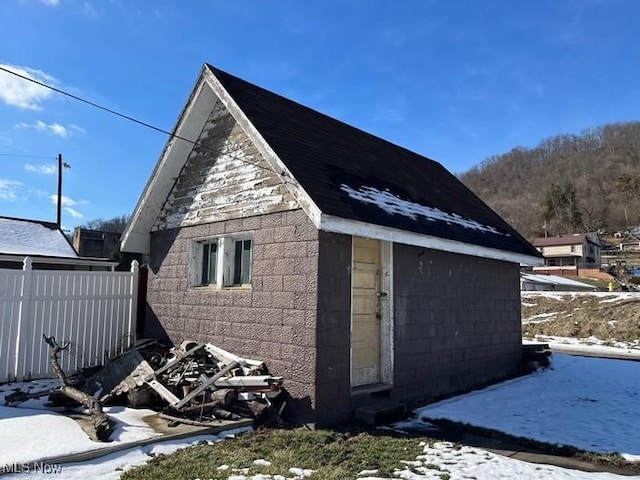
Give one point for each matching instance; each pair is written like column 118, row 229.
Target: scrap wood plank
column 249, row 381
column 163, row 391
column 243, row 422
column 227, row 357
column 124, row 373
column 177, row 359
column 208, row 383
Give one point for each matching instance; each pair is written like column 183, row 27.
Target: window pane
column 205, row 262
column 242, row 262
column 209, row 258
column 246, row 261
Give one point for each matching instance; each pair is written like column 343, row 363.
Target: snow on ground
column 110, row 467
column 473, row 463
column 590, row 345
column 588, row 403
column 607, row 297
column 540, row 318
column 27, row 431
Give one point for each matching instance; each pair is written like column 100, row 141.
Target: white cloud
column 9, row 190
column 50, row 3
column 73, row 212
column 68, row 204
column 21, row 93
column 45, row 169
column 51, row 128
column 66, row 201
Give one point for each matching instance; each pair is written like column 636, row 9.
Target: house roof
column 561, row 240
column 33, row 237
column 630, row 239
column 555, row 280
column 347, row 180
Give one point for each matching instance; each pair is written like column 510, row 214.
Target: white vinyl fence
column 94, row 310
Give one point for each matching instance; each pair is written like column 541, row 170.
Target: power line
column 17, row 155
column 127, row 117
column 75, row 97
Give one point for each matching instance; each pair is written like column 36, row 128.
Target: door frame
column 386, row 318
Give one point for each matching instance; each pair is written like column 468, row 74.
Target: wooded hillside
column 568, row 183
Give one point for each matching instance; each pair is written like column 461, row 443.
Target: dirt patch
column 581, row 316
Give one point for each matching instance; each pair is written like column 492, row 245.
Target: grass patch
column 583, row 316
column 332, row 455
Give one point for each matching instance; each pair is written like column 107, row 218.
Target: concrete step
column 380, row 412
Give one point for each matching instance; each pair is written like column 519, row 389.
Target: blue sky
column 457, row 81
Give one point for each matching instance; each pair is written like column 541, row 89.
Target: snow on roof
column 394, row 205
column 30, row 237
column 555, row 280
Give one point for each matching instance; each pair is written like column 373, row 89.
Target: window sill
column 215, row 288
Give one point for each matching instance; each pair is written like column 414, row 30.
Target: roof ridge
column 44, row 223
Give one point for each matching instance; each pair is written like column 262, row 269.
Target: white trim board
column 333, row 224
column 173, row 158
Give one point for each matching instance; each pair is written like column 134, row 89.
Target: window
column 221, row 261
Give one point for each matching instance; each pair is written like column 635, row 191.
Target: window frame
column 225, row 273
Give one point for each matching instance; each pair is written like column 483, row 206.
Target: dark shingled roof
column 323, row 154
column 572, row 239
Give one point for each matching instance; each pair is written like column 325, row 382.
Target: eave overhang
column 333, row 224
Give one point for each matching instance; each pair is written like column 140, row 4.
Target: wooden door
column 365, row 318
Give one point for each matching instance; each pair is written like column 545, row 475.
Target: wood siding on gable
column 568, row 250
column 225, row 177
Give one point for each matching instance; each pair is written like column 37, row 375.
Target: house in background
column 573, row 255
column 46, row 245
column 95, row 243
column 630, row 243
column 356, row 269
column 98, row 243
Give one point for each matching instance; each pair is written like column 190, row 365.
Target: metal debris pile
column 193, row 383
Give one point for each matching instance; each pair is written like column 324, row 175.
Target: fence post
column 133, row 305
column 23, row 321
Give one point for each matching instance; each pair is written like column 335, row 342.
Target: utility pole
column 60, row 166
column 59, row 190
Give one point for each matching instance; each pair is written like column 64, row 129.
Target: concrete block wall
column 274, row 320
column 333, row 365
column 456, row 321
column 456, row 318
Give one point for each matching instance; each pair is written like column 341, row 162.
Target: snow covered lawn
column 588, row 403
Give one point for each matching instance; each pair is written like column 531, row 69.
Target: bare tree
column 597, row 162
column 112, row 225
column 101, row 423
